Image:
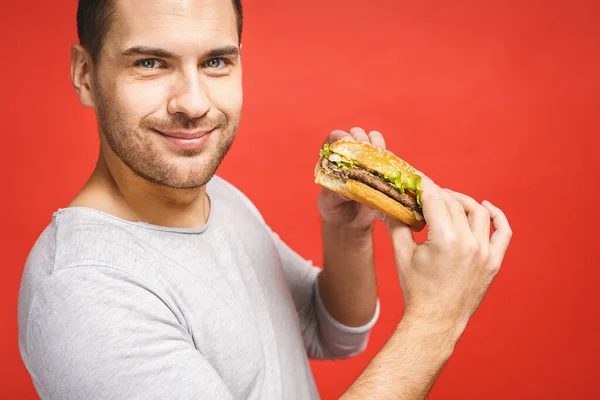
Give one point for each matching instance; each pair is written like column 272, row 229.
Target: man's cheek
column 226, row 95
column 143, row 98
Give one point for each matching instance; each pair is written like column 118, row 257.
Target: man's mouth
column 187, row 135
column 187, row 139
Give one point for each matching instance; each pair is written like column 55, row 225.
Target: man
column 161, row 280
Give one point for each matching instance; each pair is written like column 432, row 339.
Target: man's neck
column 115, row 189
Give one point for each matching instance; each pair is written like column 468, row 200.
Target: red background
column 498, row 99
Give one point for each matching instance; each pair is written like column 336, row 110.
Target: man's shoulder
column 88, row 235
column 74, row 237
column 77, row 237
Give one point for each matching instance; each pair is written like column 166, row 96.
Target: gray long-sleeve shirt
column 110, row 309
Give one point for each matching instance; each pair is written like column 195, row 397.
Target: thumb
column 402, row 236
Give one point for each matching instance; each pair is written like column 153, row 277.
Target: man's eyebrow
column 161, row 53
column 222, row 51
column 148, row 51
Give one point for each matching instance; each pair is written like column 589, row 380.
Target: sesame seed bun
column 371, row 157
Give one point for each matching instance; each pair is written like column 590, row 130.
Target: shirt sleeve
column 99, row 333
column 324, row 336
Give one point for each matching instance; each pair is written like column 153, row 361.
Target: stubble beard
column 148, row 159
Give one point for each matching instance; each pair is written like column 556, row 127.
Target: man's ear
column 81, row 75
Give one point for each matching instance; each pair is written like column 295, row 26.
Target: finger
column 334, row 197
column 377, row 139
column 402, row 237
column 458, row 215
column 331, row 203
column 435, row 209
column 502, row 231
column 338, row 134
column 478, row 216
column 343, row 198
column 359, row 135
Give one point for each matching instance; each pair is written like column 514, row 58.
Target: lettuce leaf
column 413, row 182
column 399, row 184
column 345, row 165
column 418, row 193
column 325, row 152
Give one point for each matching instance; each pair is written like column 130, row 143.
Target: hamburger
column 374, row 177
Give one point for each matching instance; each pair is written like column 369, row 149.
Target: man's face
column 167, row 88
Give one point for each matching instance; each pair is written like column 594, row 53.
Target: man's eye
column 149, row 63
column 216, row 63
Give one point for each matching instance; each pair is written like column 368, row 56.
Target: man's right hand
column 443, row 279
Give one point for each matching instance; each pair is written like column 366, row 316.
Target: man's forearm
column 408, row 364
column 347, row 284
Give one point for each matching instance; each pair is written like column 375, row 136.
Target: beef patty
column 366, row 177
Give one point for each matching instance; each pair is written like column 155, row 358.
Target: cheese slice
column 336, row 158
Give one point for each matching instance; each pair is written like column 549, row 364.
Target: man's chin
column 179, row 183
column 189, row 176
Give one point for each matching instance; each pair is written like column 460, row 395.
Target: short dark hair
column 94, row 18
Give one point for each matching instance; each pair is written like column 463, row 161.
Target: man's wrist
column 442, row 334
column 348, row 237
column 409, row 362
column 347, row 284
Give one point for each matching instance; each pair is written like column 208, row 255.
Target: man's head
column 160, row 75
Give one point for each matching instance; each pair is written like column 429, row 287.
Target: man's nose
column 190, row 98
